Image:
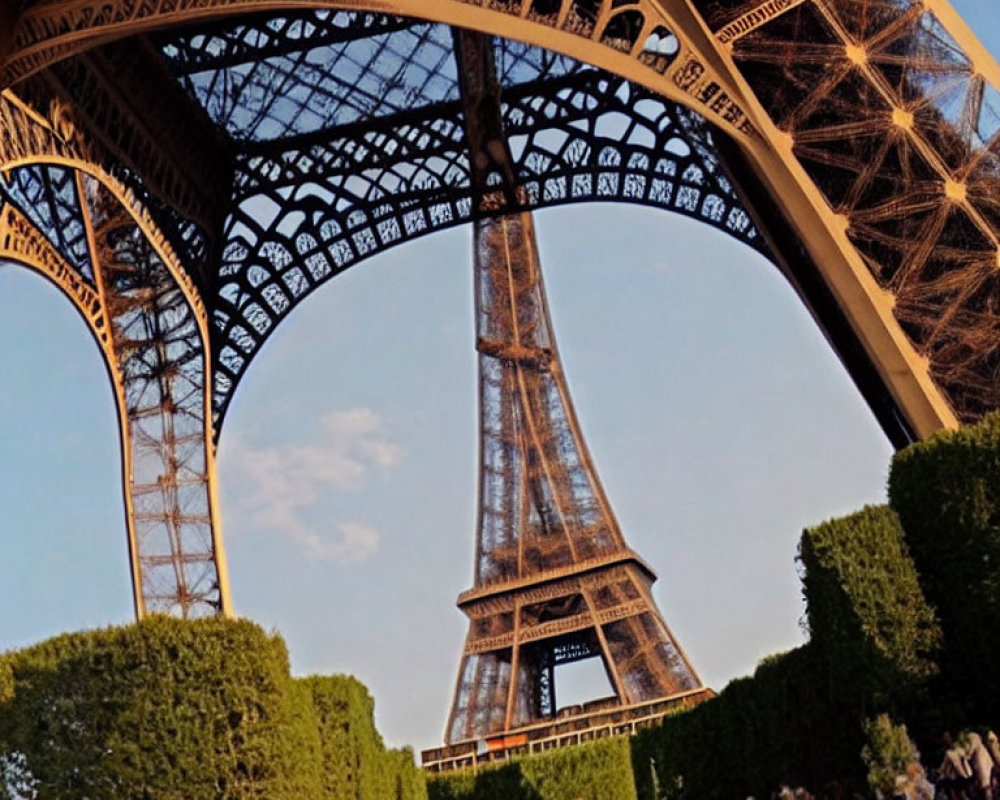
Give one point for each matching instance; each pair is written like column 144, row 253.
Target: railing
column 590, row 725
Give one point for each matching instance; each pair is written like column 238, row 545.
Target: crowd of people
column 968, row 769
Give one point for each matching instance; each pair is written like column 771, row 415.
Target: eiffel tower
column 188, row 171
column 555, row 581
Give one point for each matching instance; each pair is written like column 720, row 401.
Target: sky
column 719, row 420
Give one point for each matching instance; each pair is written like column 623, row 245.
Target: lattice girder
column 899, row 129
column 554, row 579
column 161, row 368
column 867, row 130
column 320, row 197
column 614, row 37
column 685, row 55
column 87, row 233
column 308, row 209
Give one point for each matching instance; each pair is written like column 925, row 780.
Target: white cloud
column 276, row 486
column 354, row 543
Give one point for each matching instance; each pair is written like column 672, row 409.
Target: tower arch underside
column 310, row 200
column 23, row 245
column 304, row 213
column 767, row 76
column 80, row 228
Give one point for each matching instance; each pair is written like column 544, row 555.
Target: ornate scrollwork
column 603, row 32
column 22, row 242
column 865, row 134
column 86, row 231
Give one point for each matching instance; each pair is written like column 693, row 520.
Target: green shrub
column 6, row 682
column 867, row 613
column 886, row 753
column 177, row 710
column 946, row 491
column 354, row 763
column 779, row 726
column 800, row 719
column 160, row 709
column 599, row 770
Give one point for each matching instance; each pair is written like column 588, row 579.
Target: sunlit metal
column 257, row 148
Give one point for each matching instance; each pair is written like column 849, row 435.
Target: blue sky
column 719, row 420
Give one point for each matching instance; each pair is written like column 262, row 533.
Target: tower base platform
column 572, row 725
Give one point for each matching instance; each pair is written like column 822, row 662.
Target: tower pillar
column 151, row 328
column 555, row 581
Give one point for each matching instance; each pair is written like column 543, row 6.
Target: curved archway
column 661, row 432
column 310, row 209
column 712, row 74
column 148, row 329
column 584, row 31
column 838, row 234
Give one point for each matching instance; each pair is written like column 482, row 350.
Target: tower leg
column 152, row 333
column 160, row 371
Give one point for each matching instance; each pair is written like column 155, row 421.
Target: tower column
column 160, row 368
column 152, row 332
column 554, row 580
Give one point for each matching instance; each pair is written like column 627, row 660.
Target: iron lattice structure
column 187, row 171
column 554, row 580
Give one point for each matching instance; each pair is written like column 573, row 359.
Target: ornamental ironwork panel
column 260, row 152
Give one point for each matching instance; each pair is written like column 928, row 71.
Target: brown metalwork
column 897, row 126
column 554, row 580
column 106, row 254
column 263, row 146
column 160, row 358
column 603, row 33
column 670, row 47
column 122, row 98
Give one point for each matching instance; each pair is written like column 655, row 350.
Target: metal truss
column 899, row 128
column 79, row 233
column 161, row 367
column 311, row 200
column 855, row 142
column 685, row 51
column 554, row 579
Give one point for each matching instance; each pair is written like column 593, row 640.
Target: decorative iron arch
column 23, row 244
column 307, row 207
column 81, row 229
column 705, row 67
column 259, row 154
column 586, row 30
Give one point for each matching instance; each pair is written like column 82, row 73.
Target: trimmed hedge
column 599, row 770
column 354, row 762
column 176, row 710
column 887, row 753
column 946, row 491
column 800, row 720
column 867, row 614
column 783, row 725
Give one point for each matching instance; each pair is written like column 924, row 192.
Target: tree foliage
column 782, row 725
column 946, row 491
column 887, row 752
column 177, row 710
column 598, row 770
column 866, row 610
